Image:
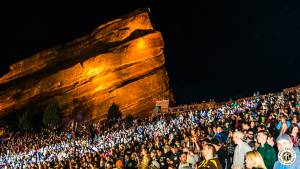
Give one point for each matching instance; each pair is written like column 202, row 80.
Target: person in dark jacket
column 221, row 152
column 266, row 151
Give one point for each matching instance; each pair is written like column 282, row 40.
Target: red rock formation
column 121, row 61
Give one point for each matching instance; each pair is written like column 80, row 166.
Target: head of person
column 177, row 143
column 261, row 127
column 238, row 137
column 262, row 136
column 166, row 149
column 245, row 126
column 208, row 151
column 283, row 118
column 270, row 140
column 252, row 124
column 159, row 152
column 119, row 164
column 109, row 165
column 183, row 157
column 174, row 149
column 219, row 129
column 284, row 141
column 250, row 134
column 294, row 130
column 295, row 119
column 144, row 152
column 153, row 154
column 254, row 160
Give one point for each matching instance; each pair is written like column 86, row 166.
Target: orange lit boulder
column 121, row 61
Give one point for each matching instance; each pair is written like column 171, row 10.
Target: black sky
column 214, row 49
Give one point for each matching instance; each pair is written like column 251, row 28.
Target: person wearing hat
column 284, row 144
column 240, row 150
column 266, row 151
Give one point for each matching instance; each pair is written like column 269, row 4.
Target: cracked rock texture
column 121, row 61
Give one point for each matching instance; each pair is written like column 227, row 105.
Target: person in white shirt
column 240, row 150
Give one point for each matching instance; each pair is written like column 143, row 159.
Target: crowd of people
column 261, row 132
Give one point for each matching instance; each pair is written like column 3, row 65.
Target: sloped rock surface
column 121, row 61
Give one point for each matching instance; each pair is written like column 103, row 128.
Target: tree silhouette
column 51, row 115
column 128, row 120
column 113, row 114
column 25, row 121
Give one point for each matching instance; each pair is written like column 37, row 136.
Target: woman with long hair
column 253, row 160
column 294, row 134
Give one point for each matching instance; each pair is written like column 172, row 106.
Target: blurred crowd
column 258, row 132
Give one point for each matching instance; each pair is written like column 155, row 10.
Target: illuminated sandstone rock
column 121, row 61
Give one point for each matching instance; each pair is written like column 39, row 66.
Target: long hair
column 256, row 158
column 293, row 125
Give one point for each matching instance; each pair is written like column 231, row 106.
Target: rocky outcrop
column 121, row 61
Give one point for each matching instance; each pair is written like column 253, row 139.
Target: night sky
column 214, row 49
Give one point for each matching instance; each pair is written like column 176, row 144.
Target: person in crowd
column 284, row 143
column 221, row 134
column 154, row 157
column 250, row 138
column 154, row 165
column 266, row 151
column 253, row 160
column 210, row 160
column 119, row 164
column 128, row 162
column 109, row 165
column 283, row 125
column 162, row 159
column 192, row 157
column 221, row 152
column 230, row 147
column 293, row 132
column 183, row 161
column 240, row 150
column 174, row 157
column 145, row 159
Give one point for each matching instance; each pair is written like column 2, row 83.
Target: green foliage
column 113, row 113
column 128, row 120
column 25, row 121
column 51, row 115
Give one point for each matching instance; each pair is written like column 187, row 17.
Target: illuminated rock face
column 121, row 61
